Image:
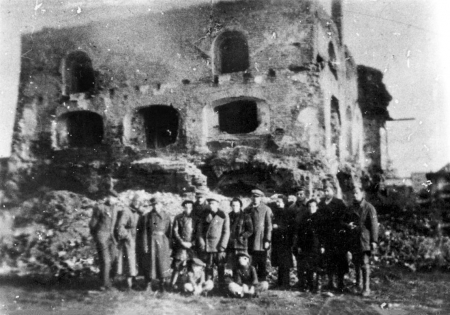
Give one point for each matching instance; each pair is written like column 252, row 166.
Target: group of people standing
column 195, row 248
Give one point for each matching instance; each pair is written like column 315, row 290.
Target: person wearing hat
column 245, row 280
column 241, row 228
column 196, row 282
column 281, row 254
column 155, row 240
column 183, row 233
column 259, row 242
column 201, row 205
column 101, row 225
column 364, row 227
column 126, row 236
column 213, row 235
column 333, row 212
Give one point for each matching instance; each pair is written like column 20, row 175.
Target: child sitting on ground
column 195, row 283
column 245, row 279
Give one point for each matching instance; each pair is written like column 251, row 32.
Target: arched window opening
column 78, row 73
column 332, row 61
column 239, row 116
column 231, row 52
column 80, row 129
column 160, row 125
column 335, row 124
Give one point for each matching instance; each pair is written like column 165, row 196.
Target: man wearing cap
column 333, row 231
column 364, row 226
column 213, row 235
column 126, row 236
column 103, row 221
column 259, row 242
column 183, row 232
column 155, row 237
column 241, row 228
column 201, row 207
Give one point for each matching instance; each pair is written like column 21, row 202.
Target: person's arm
column 93, row 223
column 254, row 276
column 248, row 226
column 225, row 234
column 374, row 229
column 268, row 227
column 175, row 231
column 200, row 240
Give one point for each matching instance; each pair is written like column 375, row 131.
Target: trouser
column 283, row 275
column 127, row 257
column 309, row 264
column 259, row 261
column 361, row 260
column 244, row 289
column 215, row 259
column 337, row 265
column 107, row 254
column 196, row 290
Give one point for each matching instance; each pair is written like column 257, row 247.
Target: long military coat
column 154, row 240
column 262, row 226
column 214, row 232
column 282, row 238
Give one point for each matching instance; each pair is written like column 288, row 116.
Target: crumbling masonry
column 228, row 94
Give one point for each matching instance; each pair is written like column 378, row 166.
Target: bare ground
column 397, row 292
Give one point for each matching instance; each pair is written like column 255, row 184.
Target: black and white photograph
column 224, row 157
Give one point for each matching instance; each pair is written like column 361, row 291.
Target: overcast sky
column 405, row 39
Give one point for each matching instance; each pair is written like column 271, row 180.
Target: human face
column 329, row 193
column 358, row 194
column 197, row 268
column 280, row 203
column 187, row 208
column 301, row 196
column 200, row 199
column 292, row 199
column 157, row 206
column 136, row 204
column 214, row 205
column 236, row 206
column 312, row 207
column 243, row 261
column 256, row 200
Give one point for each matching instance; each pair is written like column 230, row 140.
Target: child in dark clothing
column 309, row 246
column 246, row 279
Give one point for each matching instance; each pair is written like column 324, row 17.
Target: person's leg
column 188, row 288
column 366, row 274
column 235, row 289
column 105, row 261
column 283, row 276
column 301, row 272
column 209, row 269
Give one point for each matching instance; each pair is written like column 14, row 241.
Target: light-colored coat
column 262, row 226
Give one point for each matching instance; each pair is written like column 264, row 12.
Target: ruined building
column 228, row 94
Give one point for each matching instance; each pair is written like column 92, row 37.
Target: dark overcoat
column 184, row 230
column 366, row 221
column 154, row 240
column 241, row 228
column 262, row 226
column 282, row 238
column 214, row 232
column 333, row 229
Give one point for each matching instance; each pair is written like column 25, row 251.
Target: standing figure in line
column 101, row 225
column 155, row 239
column 140, row 253
column 259, row 243
column 201, row 206
column 184, row 232
column 334, row 233
column 241, row 228
column 364, row 226
column 282, row 241
column 309, row 248
column 213, row 235
column 126, row 235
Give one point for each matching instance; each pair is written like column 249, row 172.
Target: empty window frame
column 80, row 129
column 78, row 73
column 236, row 117
column 230, row 53
column 160, row 124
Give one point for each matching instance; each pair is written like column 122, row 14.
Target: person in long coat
column 241, row 228
column 126, row 236
column 155, row 241
column 334, row 233
column 213, row 235
column 183, row 233
column 101, row 225
column 364, row 225
column 259, row 243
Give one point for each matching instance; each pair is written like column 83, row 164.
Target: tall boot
column 358, row 282
column 221, row 274
column 366, row 280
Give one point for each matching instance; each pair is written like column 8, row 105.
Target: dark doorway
column 238, row 117
column 161, row 125
column 79, row 73
column 232, row 54
column 84, row 129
